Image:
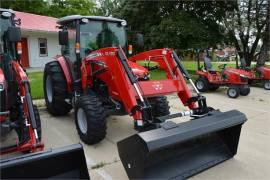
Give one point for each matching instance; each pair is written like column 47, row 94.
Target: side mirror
column 139, row 40
column 63, row 37
column 14, row 34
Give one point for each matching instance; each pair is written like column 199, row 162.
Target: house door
column 24, row 56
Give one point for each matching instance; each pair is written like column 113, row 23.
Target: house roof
column 35, row 22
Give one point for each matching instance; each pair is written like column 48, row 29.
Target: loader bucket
column 178, row 151
column 64, row 163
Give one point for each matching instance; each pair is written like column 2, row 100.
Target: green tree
column 30, row 6
column 246, row 24
column 60, row 8
column 178, row 24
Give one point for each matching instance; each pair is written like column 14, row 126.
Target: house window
column 42, row 44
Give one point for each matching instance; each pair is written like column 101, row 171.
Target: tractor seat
column 208, row 65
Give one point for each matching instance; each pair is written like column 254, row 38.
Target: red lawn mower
column 96, row 78
column 256, row 74
column 17, row 111
column 210, row 79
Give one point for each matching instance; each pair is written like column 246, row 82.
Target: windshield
column 99, row 34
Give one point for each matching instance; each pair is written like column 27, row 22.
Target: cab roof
column 7, row 10
column 66, row 19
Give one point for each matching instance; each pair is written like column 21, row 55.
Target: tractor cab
column 10, row 35
column 82, row 35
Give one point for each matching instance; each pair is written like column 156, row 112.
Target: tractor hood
column 238, row 71
column 141, row 72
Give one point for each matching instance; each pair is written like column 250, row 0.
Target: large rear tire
column 160, row 106
column 55, row 89
column 202, row 84
column 90, row 119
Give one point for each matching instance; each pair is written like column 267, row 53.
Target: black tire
column 266, row 85
column 245, row 91
column 55, row 89
column 233, row 92
column 213, row 87
column 90, row 108
column 202, row 84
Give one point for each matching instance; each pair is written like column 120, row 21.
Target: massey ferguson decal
column 157, row 85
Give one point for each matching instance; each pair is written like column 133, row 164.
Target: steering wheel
column 222, row 66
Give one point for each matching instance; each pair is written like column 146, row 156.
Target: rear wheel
column 213, row 87
column 90, row 119
column 266, row 85
column 55, row 89
column 233, row 92
column 202, row 84
column 245, row 91
column 160, row 106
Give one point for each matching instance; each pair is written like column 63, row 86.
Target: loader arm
column 24, row 92
column 166, row 61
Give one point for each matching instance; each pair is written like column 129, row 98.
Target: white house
column 39, row 39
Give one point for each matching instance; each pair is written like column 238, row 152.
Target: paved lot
column 251, row 162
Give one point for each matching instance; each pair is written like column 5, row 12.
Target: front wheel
column 245, row 91
column 266, row 85
column 202, row 84
column 233, row 92
column 90, row 119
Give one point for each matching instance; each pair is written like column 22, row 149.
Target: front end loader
column 61, row 163
column 96, row 78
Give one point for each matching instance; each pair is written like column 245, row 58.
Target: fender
column 66, row 70
column 20, row 73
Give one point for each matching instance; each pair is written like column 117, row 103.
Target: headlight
column 243, row 76
column 2, row 87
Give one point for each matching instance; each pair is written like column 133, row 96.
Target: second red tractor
column 209, row 79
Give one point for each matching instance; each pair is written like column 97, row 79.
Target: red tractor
column 256, row 74
column 17, row 111
column 210, row 79
column 94, row 76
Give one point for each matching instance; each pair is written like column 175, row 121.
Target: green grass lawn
column 36, row 83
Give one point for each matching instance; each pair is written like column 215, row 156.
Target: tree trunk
column 264, row 52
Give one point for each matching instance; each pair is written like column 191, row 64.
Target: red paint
column 61, row 60
column 25, row 56
column 31, row 145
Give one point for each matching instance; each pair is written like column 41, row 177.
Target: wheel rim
column 82, row 121
column 49, row 92
column 232, row 92
column 267, row 85
column 200, row 85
